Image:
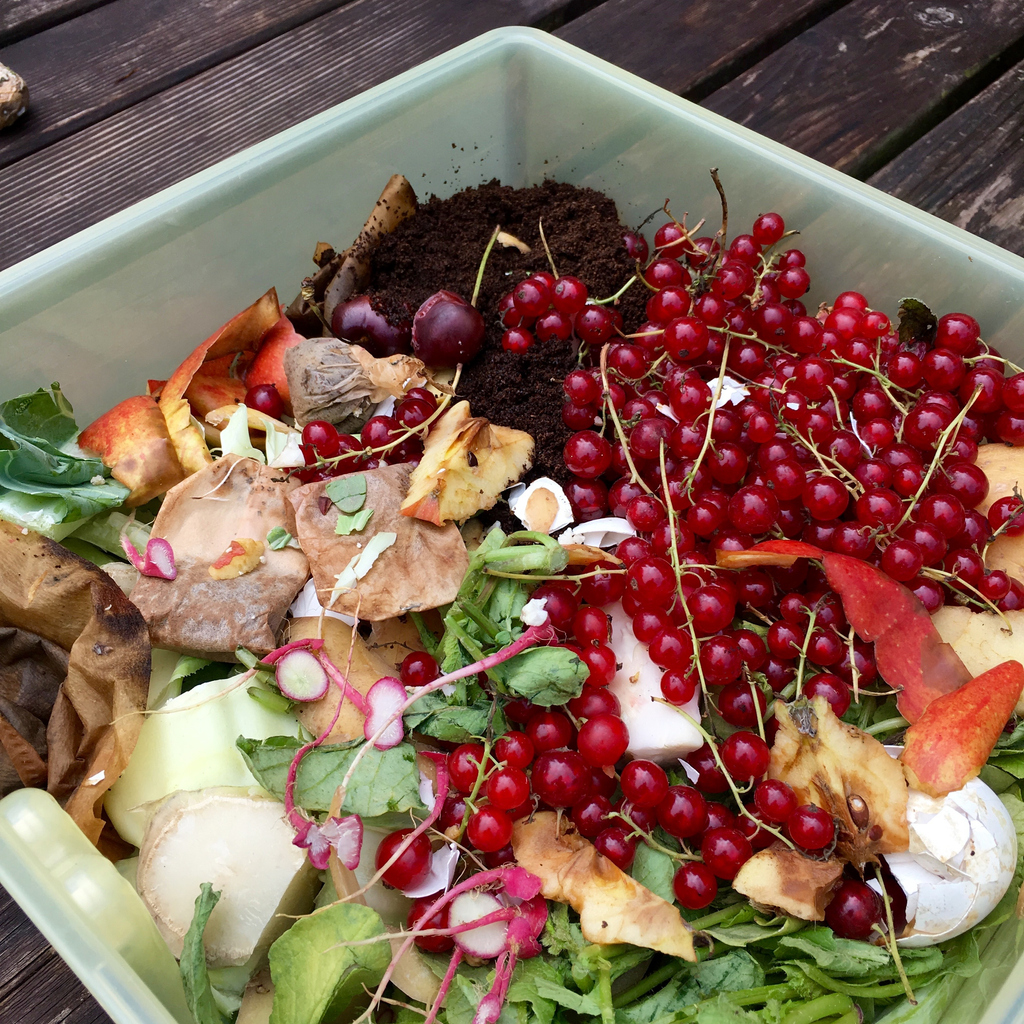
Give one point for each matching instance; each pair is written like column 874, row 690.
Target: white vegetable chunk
column 241, row 844
column 963, row 852
column 486, row 941
column 190, row 745
column 656, row 732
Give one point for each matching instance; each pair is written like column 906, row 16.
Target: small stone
column 13, row 96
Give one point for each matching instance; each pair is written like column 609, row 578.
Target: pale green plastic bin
column 126, row 299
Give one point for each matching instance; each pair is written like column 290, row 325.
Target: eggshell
column 599, row 533
column 541, row 505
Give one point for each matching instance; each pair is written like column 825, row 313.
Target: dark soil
column 441, row 247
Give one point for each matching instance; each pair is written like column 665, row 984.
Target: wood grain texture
column 19, row 18
column 970, row 169
column 36, row 986
column 688, row 47
column 862, row 84
column 86, row 69
column 56, row 191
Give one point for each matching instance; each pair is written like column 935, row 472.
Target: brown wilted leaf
column 233, row 498
column 75, row 611
column 422, row 569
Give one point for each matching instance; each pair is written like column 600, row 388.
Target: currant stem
column 483, row 264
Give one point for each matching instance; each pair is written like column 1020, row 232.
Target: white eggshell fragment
column 541, row 506
column 247, row 855
column 963, row 852
column 656, row 732
column 599, row 533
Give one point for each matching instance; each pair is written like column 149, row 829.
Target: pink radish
column 386, row 701
column 344, row 834
column 487, row 941
column 309, row 644
column 300, row 676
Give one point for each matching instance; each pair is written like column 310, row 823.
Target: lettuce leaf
column 194, row 976
column 43, row 486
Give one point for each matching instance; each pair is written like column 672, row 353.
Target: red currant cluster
column 384, row 440
column 545, row 308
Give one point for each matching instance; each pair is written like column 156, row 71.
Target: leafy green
column 843, row 957
column 315, row 978
column 278, row 538
column 546, row 675
column 655, row 870
column 235, row 439
column 194, row 977
column 347, row 492
column 385, row 781
column 435, row 715
column 43, row 487
column 352, row 523
column 104, row 531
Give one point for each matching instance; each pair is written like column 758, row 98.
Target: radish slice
column 344, row 834
column 158, row 560
column 301, row 677
column 385, row 702
column 487, row 941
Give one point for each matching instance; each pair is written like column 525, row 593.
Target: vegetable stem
column 820, row 1008
column 604, row 994
column 483, row 263
column 645, row 985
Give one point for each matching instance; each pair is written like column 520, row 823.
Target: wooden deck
column 922, row 98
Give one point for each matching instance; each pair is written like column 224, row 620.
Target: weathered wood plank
column 86, row 69
column 859, row 86
column 970, row 169
column 22, row 949
column 73, row 183
column 689, row 47
column 19, row 18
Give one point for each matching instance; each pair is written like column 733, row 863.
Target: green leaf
column 385, row 781
column 347, row 492
column 750, row 933
column 655, row 870
column 842, row 957
column 104, row 531
column 234, row 437
column 194, row 977
column 434, row 715
column 524, row 989
column 43, row 488
column 43, row 414
column 547, row 675
column 917, row 321
column 556, row 992
column 722, row 1011
column 278, row 538
column 352, row 523
column 314, row 977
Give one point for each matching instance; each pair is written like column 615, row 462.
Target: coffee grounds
column 441, row 247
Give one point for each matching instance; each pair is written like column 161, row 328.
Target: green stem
column 427, row 638
column 899, row 722
column 604, row 993
column 653, row 980
column 726, row 914
column 818, row 1009
column 622, row 291
column 483, row 263
column 489, row 627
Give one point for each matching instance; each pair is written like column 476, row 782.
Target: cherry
column 600, row 660
column 854, row 910
column 560, row 604
column 465, row 765
column 569, row 295
column 517, row 340
column 447, row 330
column 1007, row 514
column 694, row 885
column 412, row 865
column 736, row 704
column 507, row 788
column 721, row 660
column 617, row 845
column 745, row 755
column 587, row 454
column 957, row 332
column 594, row 701
column 768, row 229
column 602, row 740
column 549, row 730
column 753, row 509
column 588, row 498
column 594, row 324
column 775, row 800
column 635, row 245
column 514, row 749
column 418, row 669
column 453, row 811
column 682, row 812
column 644, row 783
column 581, row 387
column 825, row 497
column 725, row 851
column 710, row 779
column 592, row 814
column 356, row 321
column 601, row 588
column 832, row 688
column 591, row 625
column 811, row 827
column 265, row 398
column 679, row 687
column 560, row 778
column 489, row 827
column 418, row 919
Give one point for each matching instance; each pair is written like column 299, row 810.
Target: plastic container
column 127, row 298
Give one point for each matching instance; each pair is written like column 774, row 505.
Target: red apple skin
column 948, row 745
column 267, row 366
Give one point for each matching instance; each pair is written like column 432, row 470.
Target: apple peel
column 909, row 651
column 951, row 741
